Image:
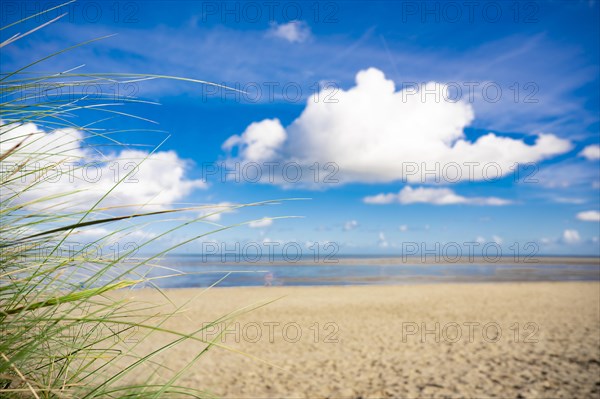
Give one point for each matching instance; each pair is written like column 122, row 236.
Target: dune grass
column 64, row 325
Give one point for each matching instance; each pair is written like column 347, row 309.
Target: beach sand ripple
column 532, row 340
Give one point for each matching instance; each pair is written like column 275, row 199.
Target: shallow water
column 200, row 273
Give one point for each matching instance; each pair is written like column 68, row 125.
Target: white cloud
column 293, row 31
column 260, row 223
column 571, row 236
column 497, row 239
column 78, row 175
column 381, row 199
column 591, row 152
column 382, row 241
column 435, row 196
column 480, row 240
column 350, row 225
column 589, row 216
column 259, row 142
column 374, row 133
column 403, row 227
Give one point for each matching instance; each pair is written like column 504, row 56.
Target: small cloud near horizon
column 350, row 225
column 260, row 223
column 434, row 196
column 571, row 236
column 589, row 216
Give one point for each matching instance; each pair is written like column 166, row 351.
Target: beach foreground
column 505, row 340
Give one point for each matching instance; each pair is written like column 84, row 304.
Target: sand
column 517, row 340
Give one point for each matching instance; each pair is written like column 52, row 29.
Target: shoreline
column 394, row 284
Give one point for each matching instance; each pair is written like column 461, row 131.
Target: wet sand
column 509, row 340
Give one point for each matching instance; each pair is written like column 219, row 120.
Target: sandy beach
column 509, row 340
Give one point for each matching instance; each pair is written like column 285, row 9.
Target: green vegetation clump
column 64, row 326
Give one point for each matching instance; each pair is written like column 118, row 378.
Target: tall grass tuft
column 64, row 320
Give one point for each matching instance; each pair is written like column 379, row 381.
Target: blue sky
column 521, row 86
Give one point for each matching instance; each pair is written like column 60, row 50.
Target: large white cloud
column 435, row 196
column 77, row 175
column 375, row 133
